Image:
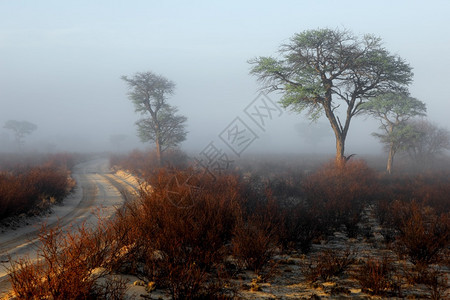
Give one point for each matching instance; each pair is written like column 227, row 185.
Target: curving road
column 98, row 192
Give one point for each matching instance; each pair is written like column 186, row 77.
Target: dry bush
column 18, row 163
column 286, row 186
column 257, row 234
column 327, row 264
column 376, row 276
column 50, row 182
column 437, row 283
column 252, row 247
column 25, row 277
column 300, row 228
column 433, row 277
column 179, row 231
column 433, row 189
column 423, row 236
column 65, row 266
column 33, row 189
column 16, row 196
column 280, row 181
column 143, row 163
column 336, row 194
column 430, row 189
column 254, row 244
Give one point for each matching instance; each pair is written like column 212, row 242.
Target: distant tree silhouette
column 20, row 129
column 428, row 143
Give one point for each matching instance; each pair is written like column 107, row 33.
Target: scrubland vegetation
column 29, row 184
column 195, row 236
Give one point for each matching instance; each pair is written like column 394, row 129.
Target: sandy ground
column 287, row 279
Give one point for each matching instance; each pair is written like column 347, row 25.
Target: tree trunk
column 392, row 149
column 339, row 132
column 340, row 147
column 390, row 161
column 157, row 140
column 158, row 152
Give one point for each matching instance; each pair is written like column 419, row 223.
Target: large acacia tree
column 332, row 72
column 149, row 93
column 393, row 110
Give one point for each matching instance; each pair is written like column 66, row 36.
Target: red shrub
column 376, row 276
column 181, row 228
column 32, row 190
column 328, row 263
column 431, row 189
column 66, row 267
column 423, row 235
column 143, row 163
column 255, row 237
column 336, row 194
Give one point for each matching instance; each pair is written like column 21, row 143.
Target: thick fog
column 61, row 63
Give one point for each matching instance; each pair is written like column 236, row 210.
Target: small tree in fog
column 428, row 143
column 149, row 93
column 20, row 129
column 332, row 72
column 393, row 110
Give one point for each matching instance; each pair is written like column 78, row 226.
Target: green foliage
column 149, row 92
column 395, row 106
column 393, row 110
column 399, row 138
column 168, row 125
column 325, row 60
column 320, row 70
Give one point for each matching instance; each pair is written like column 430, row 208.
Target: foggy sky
column 61, row 62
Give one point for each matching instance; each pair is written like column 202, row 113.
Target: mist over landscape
column 224, row 149
column 62, row 62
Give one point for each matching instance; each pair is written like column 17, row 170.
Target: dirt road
column 98, row 192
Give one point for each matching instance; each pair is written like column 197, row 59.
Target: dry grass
column 328, row 263
column 32, row 189
column 336, row 194
column 192, row 235
column 66, row 266
column 376, row 276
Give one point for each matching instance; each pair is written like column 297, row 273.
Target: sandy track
column 98, row 192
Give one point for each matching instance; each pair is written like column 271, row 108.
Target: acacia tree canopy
column 393, row 110
column 171, row 128
column 332, row 72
